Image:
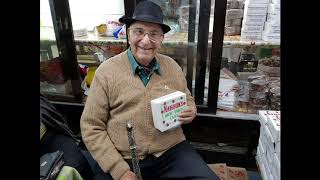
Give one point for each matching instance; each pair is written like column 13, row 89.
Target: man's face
column 144, row 46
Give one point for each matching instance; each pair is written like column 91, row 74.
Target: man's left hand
column 187, row 115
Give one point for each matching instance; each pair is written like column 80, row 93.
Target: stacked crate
column 271, row 30
column 268, row 151
column 234, row 16
column 255, row 13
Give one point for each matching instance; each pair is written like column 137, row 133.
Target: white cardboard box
column 273, row 18
column 274, row 126
column 274, row 8
column 255, row 10
column 278, row 149
column 275, row 1
column 263, row 139
column 254, row 18
column 263, row 117
column 271, row 37
column 271, row 26
column 249, row 28
column 268, row 172
column 257, row 1
column 261, row 4
column 260, row 147
column 248, row 33
column 252, row 26
column 277, row 165
column 262, row 168
column 271, row 31
column 166, row 110
column 269, row 137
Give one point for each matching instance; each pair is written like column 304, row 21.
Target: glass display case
column 55, row 81
column 250, row 64
column 207, row 40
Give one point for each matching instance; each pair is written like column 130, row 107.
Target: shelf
column 234, row 41
column 177, row 39
column 232, row 115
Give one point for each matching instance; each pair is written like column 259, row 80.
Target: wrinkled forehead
column 146, row 26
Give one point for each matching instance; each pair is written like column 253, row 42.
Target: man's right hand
column 129, row 175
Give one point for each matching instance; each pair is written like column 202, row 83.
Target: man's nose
column 146, row 38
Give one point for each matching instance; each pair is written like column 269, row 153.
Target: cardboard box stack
column 255, row 13
column 271, row 30
column 268, row 151
column 234, row 15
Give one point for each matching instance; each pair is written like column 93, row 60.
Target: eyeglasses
column 140, row 33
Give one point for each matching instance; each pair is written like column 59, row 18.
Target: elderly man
column 122, row 89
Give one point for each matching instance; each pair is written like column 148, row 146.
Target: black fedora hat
column 147, row 11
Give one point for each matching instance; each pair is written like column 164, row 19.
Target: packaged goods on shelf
column 232, row 30
column 244, row 91
column 255, row 18
column 112, row 26
column 183, row 10
column 269, row 65
column 234, row 14
column 235, row 4
column 183, row 13
column 275, row 101
column 258, row 95
column 166, row 110
column 80, row 32
column 227, row 94
column 100, row 30
column 233, row 22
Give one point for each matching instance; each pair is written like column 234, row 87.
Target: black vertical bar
column 191, row 44
column 203, row 32
column 61, row 19
column 129, row 6
column 216, row 52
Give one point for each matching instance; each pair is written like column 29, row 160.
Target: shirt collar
column 135, row 65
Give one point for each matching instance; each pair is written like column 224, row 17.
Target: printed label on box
column 166, row 110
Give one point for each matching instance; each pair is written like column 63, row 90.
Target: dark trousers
column 72, row 154
column 180, row 162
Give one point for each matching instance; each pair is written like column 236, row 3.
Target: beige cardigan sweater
column 116, row 96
